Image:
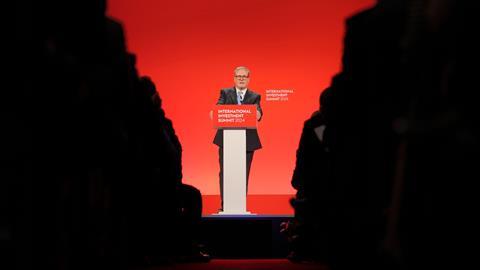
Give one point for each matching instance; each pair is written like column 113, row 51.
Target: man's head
column 241, row 77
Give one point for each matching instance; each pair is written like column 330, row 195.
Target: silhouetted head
column 149, row 87
column 325, row 99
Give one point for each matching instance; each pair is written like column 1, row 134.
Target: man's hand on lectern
column 211, row 115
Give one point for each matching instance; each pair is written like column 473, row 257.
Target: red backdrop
column 190, row 48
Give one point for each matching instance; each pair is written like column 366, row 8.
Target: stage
column 253, row 236
column 265, row 204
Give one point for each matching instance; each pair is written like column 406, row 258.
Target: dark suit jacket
column 229, row 96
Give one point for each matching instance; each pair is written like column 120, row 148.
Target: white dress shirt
column 242, row 92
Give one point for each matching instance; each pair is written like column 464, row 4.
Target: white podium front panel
column 234, row 173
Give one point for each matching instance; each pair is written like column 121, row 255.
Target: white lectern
column 234, row 120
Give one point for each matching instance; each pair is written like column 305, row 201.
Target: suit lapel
column 234, row 96
column 246, row 97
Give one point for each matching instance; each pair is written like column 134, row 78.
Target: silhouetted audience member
column 310, row 178
column 187, row 202
column 366, row 97
column 402, row 143
column 429, row 225
column 72, row 120
column 354, row 181
column 94, row 166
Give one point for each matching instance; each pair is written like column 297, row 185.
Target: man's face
column 241, row 79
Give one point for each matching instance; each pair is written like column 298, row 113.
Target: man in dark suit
column 239, row 94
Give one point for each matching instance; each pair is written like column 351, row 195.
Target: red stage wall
column 190, row 48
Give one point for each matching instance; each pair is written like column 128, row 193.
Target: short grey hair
column 239, row 68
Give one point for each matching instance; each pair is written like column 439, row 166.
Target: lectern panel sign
column 235, row 116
